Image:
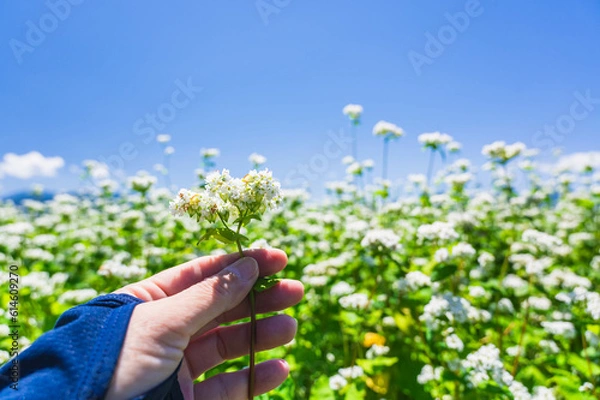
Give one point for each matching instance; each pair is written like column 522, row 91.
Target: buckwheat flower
column 381, row 240
column 413, row 280
column 38, row 255
column 353, row 111
column 417, row 179
column 347, row 160
column 169, row 150
column 485, row 259
column 351, row 372
column 354, row 169
column 142, row 182
column 434, row 140
column 586, row 387
column 4, row 330
column 538, row 303
column 512, row 281
column 463, row 250
column 477, row 291
column 441, row 231
column 458, row 181
column 505, row 305
column 257, row 159
column 514, row 350
column 4, row 356
column 454, row 342
column 387, row 130
column 96, row 169
column 502, row 152
column 77, row 296
column 377, row 351
column 117, row 269
column 315, row 281
column 209, row 153
column 337, row 382
column 549, row 346
column 368, row 164
column 454, row 147
column 428, row 374
column 484, row 365
column 163, row 138
column 356, row 301
column 341, row 289
column 542, row 240
column 441, row 255
column 559, row 328
column 593, row 305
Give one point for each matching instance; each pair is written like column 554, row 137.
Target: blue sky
column 275, row 75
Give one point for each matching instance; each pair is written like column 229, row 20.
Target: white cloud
column 29, row 165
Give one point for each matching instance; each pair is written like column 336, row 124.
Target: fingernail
column 247, row 268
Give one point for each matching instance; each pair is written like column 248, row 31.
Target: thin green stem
column 353, row 126
column 430, row 167
column 251, row 297
column 523, row 330
column 385, row 158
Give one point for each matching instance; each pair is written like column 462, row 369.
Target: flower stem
column 430, row 167
column 520, row 346
column 385, row 158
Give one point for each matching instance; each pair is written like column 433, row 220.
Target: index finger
column 181, row 277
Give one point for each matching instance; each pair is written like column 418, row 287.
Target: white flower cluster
column 117, row 269
column 341, row 288
column 542, row 240
column 77, row 296
column 377, row 351
column 387, row 130
column 463, row 250
column 353, row 111
column 453, row 308
column 485, row 365
column 441, row 231
column 458, row 181
column 559, row 328
column 210, row 153
column 381, row 240
column 434, row 139
column 428, row 374
column 42, row 284
column 257, row 159
column 142, row 182
column 340, row 380
column 226, row 197
column 413, row 280
column 502, row 152
column 356, row 301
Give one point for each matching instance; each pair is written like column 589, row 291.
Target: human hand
column 181, row 317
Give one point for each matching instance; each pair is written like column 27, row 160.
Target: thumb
column 199, row 304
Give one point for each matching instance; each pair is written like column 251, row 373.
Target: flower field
column 464, row 288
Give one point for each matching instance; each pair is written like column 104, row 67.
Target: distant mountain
column 18, row 197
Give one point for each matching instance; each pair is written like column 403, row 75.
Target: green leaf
column 207, row 235
column 264, row 283
column 442, row 271
column 321, row 389
column 581, row 365
column 228, row 236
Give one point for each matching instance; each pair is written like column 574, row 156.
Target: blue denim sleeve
column 76, row 360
